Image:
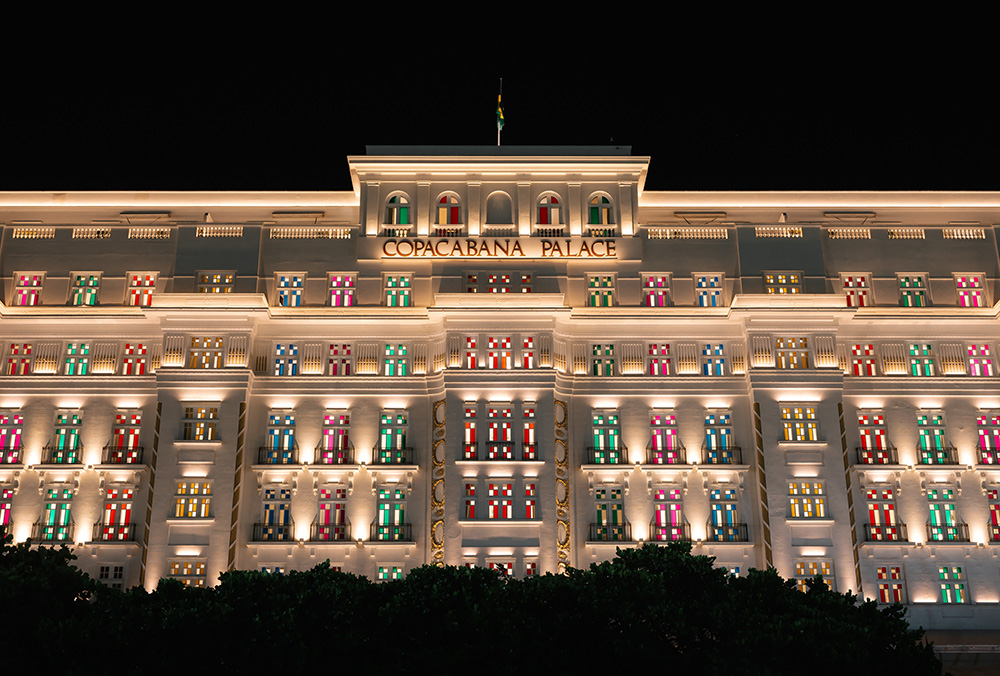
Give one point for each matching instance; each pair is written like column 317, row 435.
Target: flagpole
column 499, row 112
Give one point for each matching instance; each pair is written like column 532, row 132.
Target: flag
column 499, row 114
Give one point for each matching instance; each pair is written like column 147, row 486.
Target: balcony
column 447, row 231
column 601, row 231
column 882, row 533
column 937, row 456
column 10, row 456
column 392, row 456
column 733, row 532
column 607, row 533
column 665, row 456
column 549, row 231
column 607, row 456
column 872, row 456
column 400, row 532
column 667, row 533
column 334, row 456
column 120, row 455
column 41, row 532
column 267, row 455
column 330, row 532
column 51, row 455
column 958, row 532
column 994, row 532
column 989, row 456
column 114, row 532
column 723, row 456
column 507, row 450
column 273, row 532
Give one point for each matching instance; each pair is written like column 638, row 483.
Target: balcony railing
column 607, row 456
column 399, row 532
column 665, row 456
column 392, row 456
column 274, row 532
column 267, row 455
column 51, row 455
column 994, row 532
column 872, row 456
column 549, row 231
column 668, row 533
column 41, row 532
column 886, row 533
column 114, row 532
column 6, row 528
column 334, row 456
column 610, row 533
column 733, row 532
column 723, row 456
column 330, row 532
column 121, row 456
column 447, row 231
column 958, row 532
column 989, row 456
column 937, row 456
column 10, row 456
column 601, row 231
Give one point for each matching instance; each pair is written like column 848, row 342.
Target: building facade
column 515, row 358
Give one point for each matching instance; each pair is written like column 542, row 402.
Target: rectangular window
column 65, row 448
column 500, row 500
column 781, row 283
column 397, row 290
column 28, row 289
column 792, row 353
column 601, row 291
column 340, row 361
column 389, row 573
column 216, row 282
column 719, row 446
column 277, row 523
column 193, row 500
column 19, row 359
column 530, row 505
column 141, row 286
column 281, row 447
column 11, row 427
column 190, row 573
column 498, row 282
column 932, row 443
column 891, row 585
column 799, row 422
column 882, row 525
column 504, row 567
column 658, row 359
column 725, row 525
column 199, row 423
column 529, row 448
column 116, row 523
column 713, row 360
column 530, row 568
column 953, row 584
column 602, row 360
column 708, row 289
column 527, row 352
column 988, row 427
column 205, row 352
column 286, row 359
column 664, row 444
column 806, row 500
column 656, row 290
column 610, row 524
column 921, row 359
column 857, row 290
column 500, row 431
column 971, row 290
column 6, row 502
column 76, row 361
column 391, row 521
column 471, row 353
column 335, row 448
column 391, row 448
column 607, row 448
column 125, row 448
column 875, row 448
column 341, row 287
column 944, row 525
column 470, row 443
column 290, row 286
column 499, row 352
column 57, row 522
column 470, row 500
column 331, row 524
column 396, row 362
column 806, row 570
column 913, row 290
column 980, row 360
column 668, row 519
column 134, row 359
column 993, row 495
column 84, row 287
column 863, row 359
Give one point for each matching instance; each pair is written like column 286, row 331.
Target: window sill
column 499, row 522
column 190, row 519
column 801, row 444
column 809, row 521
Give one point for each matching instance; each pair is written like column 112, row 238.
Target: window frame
column 789, row 435
column 189, row 423
column 193, row 504
column 906, row 292
column 657, row 291
column 778, row 287
column 703, row 292
column 852, row 294
column 74, row 290
column 143, row 292
column 983, row 296
column 608, row 293
column 387, row 288
column 289, row 296
column 222, row 286
column 32, row 291
column 351, row 289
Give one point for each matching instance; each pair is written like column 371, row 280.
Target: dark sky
column 778, row 121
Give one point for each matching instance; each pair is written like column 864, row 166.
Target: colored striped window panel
column 807, row 570
column 708, row 289
column 713, row 361
column 601, row 290
column 891, row 585
column 857, row 290
column 971, row 292
column 342, row 290
column 396, row 361
column 993, row 495
column 500, row 354
column 391, row 519
column 873, row 434
column 668, row 518
column 607, row 447
column 719, row 446
column 277, row 524
column 66, row 444
column 658, row 359
column 725, row 524
column 449, row 210
column 199, row 423
column 290, row 287
column 116, row 523
column 782, row 283
column 28, row 289
column 529, row 447
column 216, row 282
column 953, row 584
column 863, row 359
column 932, row 443
column 19, row 359
column 397, row 210
column 84, row 288
column 882, row 525
column 921, row 359
column 472, row 283
column 286, row 359
column 602, row 360
column 601, row 211
column 500, row 500
column 191, row 573
column 389, row 573
column 11, row 427
column 205, row 352
column 125, row 447
column 610, row 506
column 470, row 442
column 980, row 359
column 6, row 502
column 335, row 446
column 471, row 353
column 799, row 423
column 331, row 524
column 500, row 432
column 506, row 568
column 134, row 359
column 392, row 437
column 944, row 525
column 141, row 286
column 340, row 360
column 664, row 443
column 913, row 290
column 397, row 290
column 498, row 283
column 792, row 353
column 529, row 501
column 57, row 518
column 193, row 500
column 527, row 352
column 656, row 290
column 280, row 449
column 549, row 211
column 470, row 500
column 806, row 500
column 76, row 361
column 530, row 568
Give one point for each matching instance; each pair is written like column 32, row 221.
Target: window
column 549, row 211
column 988, row 425
column 500, row 499
column 875, row 447
column 277, row 524
column 389, row 573
column 529, row 449
column 19, row 359
column 792, row 353
column 530, row 568
column 76, row 361
column 806, row 500
column 470, row 445
column 601, row 290
column 530, row 511
column 944, row 525
column 335, row 446
column 125, row 448
column 332, row 523
column 290, row 286
column 708, row 289
column 391, row 522
column 340, row 360
column 601, row 211
column 980, row 361
column 286, row 359
column 141, row 286
column 191, row 573
column 193, row 500
column 610, row 524
column 664, row 444
column 396, row 362
column 84, row 287
column 341, row 288
column 971, row 291
column 921, row 359
column 725, row 525
column 216, row 282
column 528, row 352
column 6, row 503
column 506, row 568
column 57, row 523
column 11, row 426
column 713, row 361
column 857, row 290
column 205, row 352
column 500, row 440
column 281, row 447
column 397, row 290
column 656, row 290
column 470, row 500
column 499, row 354
column 882, row 525
column 913, row 290
column 863, row 359
column 134, row 359
column 932, row 443
column 668, row 520
column 607, row 448
column 112, row 576
column 719, row 446
column 499, row 209
column 993, row 495
column 799, row 422
column 602, row 360
column 471, row 353
column 66, row 449
column 397, row 210
column 392, row 449
column 116, row 523
column 658, row 359
column 28, row 289
column 449, row 211
column 807, row 569
column 891, row 585
column 498, row 282
column 953, row 584
column 199, row 422
column 781, row 283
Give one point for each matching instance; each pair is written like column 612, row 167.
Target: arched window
column 449, row 210
column 397, row 210
column 498, row 209
column 549, row 211
column 602, row 211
